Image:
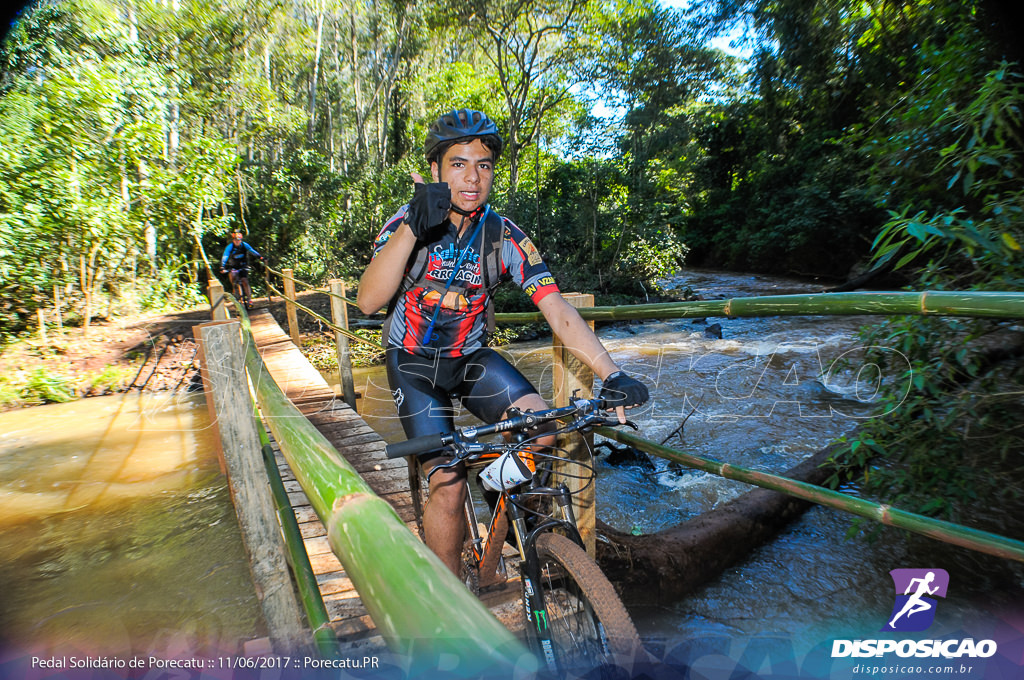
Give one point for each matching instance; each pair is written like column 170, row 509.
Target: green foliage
column 322, row 351
column 654, row 257
column 41, row 386
column 979, row 239
column 954, row 438
column 169, row 289
column 109, row 379
column 44, row 386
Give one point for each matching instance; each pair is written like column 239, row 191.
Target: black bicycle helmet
column 459, row 125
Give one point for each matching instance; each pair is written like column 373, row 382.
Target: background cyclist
column 235, row 263
column 430, row 266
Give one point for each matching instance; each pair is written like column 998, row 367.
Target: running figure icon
column 915, row 603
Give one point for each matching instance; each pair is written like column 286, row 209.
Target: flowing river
column 117, row 533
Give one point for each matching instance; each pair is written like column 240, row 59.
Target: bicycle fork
column 533, row 596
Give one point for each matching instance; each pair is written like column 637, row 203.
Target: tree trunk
column 672, row 563
column 316, row 75
column 357, row 88
column 87, row 280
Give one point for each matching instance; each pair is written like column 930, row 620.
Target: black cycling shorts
column 423, row 389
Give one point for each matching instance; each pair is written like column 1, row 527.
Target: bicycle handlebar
column 522, row 422
column 428, row 443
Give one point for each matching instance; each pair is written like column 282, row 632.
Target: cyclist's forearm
column 577, row 335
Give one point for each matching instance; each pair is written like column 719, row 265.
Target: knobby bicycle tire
column 587, row 622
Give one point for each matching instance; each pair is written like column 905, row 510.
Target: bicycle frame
column 487, row 552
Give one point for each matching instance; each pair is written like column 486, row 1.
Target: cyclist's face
column 237, row 238
column 469, row 171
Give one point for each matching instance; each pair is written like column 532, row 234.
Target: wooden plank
column 334, row 583
column 571, row 375
column 254, row 505
column 289, row 296
column 339, row 314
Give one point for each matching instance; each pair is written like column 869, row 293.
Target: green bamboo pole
column 1001, row 305
column 319, row 620
column 419, row 607
column 324, row 637
column 982, row 541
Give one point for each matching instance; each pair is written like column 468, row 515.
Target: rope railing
column 974, row 539
column 325, row 291
column 338, row 329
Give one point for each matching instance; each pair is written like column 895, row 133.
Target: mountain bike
column 574, row 618
column 240, row 287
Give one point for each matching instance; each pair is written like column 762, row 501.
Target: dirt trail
column 133, row 344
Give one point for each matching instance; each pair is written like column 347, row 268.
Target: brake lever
column 458, row 452
column 612, row 421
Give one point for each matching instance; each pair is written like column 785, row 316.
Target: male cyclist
column 434, row 264
column 235, row 263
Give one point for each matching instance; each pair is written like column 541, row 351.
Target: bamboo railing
column 1006, row 305
column 982, row 541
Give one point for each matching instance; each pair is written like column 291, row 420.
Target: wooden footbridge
column 363, row 448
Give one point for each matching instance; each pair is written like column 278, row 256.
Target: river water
column 117, row 533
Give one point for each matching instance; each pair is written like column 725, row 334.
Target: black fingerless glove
column 428, row 208
column 621, row 390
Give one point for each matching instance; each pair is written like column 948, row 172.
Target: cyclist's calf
column 443, row 522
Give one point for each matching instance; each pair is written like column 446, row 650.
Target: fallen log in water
column 673, row 562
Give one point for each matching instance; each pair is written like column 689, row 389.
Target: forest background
column 870, row 134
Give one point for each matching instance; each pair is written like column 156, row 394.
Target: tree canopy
column 882, row 133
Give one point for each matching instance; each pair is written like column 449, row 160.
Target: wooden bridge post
column 339, row 314
column 571, row 374
column 225, row 378
column 218, row 305
column 289, row 306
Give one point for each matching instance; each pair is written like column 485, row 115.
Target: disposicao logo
column 914, row 610
column 916, row 590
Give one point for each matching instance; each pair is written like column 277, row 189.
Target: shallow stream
column 117, row 532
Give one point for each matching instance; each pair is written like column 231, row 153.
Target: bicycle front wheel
column 586, row 622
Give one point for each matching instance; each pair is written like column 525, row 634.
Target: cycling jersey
column 460, row 327
column 237, row 256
